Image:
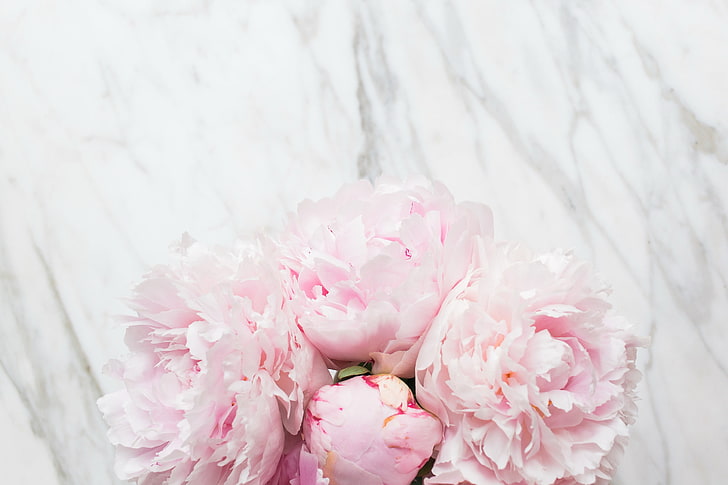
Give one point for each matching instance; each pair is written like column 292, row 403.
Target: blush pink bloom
column 370, row 267
column 368, row 430
column 532, row 376
column 298, row 466
column 217, row 373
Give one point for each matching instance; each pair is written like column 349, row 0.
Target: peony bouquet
column 384, row 337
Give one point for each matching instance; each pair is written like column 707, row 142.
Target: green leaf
column 349, row 372
column 410, row 381
column 426, row 469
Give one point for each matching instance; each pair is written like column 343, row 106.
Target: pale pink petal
column 369, row 430
column 532, row 375
column 218, row 371
column 369, row 268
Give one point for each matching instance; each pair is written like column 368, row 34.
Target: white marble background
column 596, row 125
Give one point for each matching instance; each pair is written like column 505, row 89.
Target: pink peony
column 532, row 376
column 370, row 267
column 217, row 373
column 368, row 430
column 298, row 466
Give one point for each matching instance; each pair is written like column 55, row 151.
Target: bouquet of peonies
column 458, row 359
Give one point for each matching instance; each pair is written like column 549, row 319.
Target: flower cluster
column 520, row 371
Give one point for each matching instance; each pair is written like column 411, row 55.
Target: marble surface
column 598, row 126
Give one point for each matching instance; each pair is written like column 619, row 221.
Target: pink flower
column 368, row 430
column 217, row 373
column 532, row 376
column 298, row 466
column 370, row 267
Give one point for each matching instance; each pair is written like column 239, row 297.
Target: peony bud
column 369, row 430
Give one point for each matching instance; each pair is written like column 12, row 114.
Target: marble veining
column 599, row 126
